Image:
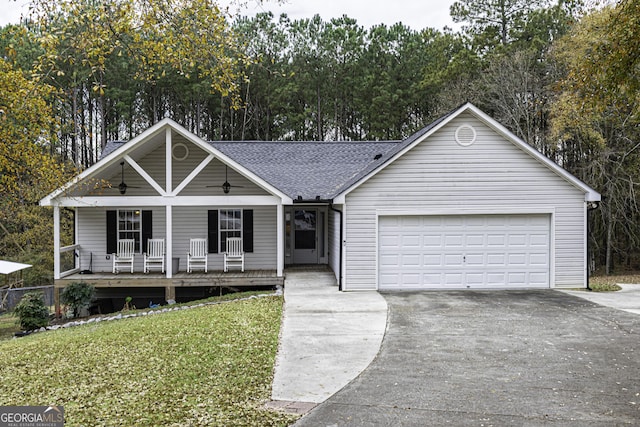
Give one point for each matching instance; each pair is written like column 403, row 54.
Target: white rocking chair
column 124, row 257
column 154, row 257
column 197, row 256
column 234, row 256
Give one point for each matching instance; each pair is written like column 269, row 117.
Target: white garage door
column 463, row 251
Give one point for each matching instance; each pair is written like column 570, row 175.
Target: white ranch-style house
column 461, row 204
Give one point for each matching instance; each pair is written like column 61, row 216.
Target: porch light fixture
column 123, row 186
column 226, row 186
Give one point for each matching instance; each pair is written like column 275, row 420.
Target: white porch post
column 56, row 242
column 169, row 210
column 168, row 161
column 169, row 248
column 280, row 239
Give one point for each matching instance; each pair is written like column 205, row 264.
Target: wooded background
column 561, row 75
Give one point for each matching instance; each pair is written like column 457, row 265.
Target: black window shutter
column 147, row 228
column 212, row 232
column 247, row 230
column 112, row 232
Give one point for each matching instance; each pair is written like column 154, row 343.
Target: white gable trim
column 123, row 152
column 590, row 194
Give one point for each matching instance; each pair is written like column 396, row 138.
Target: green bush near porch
column 210, row 365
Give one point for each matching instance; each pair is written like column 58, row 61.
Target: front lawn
column 8, row 325
column 204, row 366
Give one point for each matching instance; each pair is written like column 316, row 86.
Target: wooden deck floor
column 211, row 278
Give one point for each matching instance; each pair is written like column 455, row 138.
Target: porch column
column 56, row 242
column 169, row 240
column 169, row 209
column 280, row 239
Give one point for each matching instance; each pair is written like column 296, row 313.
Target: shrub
column 77, row 295
column 32, row 312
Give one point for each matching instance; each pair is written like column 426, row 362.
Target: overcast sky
column 417, row 14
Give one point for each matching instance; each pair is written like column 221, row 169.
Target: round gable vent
column 179, row 151
column 465, row 135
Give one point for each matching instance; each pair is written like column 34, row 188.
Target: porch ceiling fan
column 122, row 187
column 226, row 187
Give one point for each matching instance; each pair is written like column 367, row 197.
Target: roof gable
column 115, row 152
column 425, row 133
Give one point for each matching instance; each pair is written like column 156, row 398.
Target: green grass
column 8, row 326
column 205, row 366
column 604, row 287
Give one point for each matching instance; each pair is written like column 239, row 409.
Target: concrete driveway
column 523, row 358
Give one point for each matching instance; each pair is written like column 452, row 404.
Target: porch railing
column 69, row 260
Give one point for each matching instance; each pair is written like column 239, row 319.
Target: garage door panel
column 411, row 223
column 454, row 241
column 476, row 259
column 390, row 240
column 411, row 279
column 451, row 221
column 432, row 260
column 517, row 260
column 496, row 279
column 496, row 259
column 475, row 241
column 410, row 260
column 464, row 251
column 452, row 279
column 540, row 240
column 432, row 240
column 496, row 240
column 389, row 257
column 538, row 279
column 411, row 241
column 517, row 279
column 431, row 279
column 518, row 240
column 539, row 260
column 453, row 260
column 475, row 279
column 389, row 280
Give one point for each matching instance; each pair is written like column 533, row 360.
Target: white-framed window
column 230, row 225
column 130, row 226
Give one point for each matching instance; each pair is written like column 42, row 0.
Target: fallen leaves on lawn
column 206, row 366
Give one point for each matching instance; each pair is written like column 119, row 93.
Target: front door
column 305, row 236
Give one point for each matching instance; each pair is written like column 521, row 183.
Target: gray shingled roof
column 110, row 148
column 306, row 169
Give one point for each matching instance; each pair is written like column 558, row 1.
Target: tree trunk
column 608, row 260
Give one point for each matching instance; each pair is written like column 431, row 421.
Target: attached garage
column 464, row 204
column 464, row 252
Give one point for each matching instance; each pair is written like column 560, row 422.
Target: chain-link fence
column 9, row 298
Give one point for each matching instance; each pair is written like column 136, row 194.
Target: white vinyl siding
column 491, row 176
column 189, row 222
column 92, row 237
